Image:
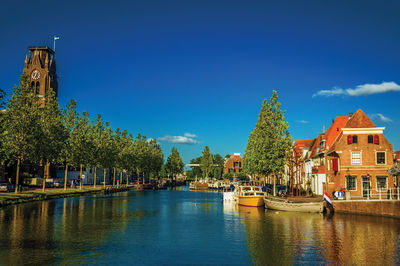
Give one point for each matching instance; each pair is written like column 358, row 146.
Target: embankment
column 388, row 208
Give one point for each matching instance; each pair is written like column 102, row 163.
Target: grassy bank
column 11, row 198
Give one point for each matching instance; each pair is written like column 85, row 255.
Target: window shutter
column 376, row 139
column 335, row 164
column 349, row 139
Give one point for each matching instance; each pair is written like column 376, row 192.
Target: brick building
column 358, row 158
column 234, row 164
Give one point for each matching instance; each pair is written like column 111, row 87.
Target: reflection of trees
column 51, row 232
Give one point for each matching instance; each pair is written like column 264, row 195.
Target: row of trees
column 44, row 133
column 209, row 165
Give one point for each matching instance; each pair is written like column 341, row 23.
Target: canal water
column 178, row 227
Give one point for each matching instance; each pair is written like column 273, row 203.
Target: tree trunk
column 114, row 178
column 17, row 177
column 94, row 176
column 127, row 178
column 65, row 176
column 80, row 172
column 104, row 177
column 274, row 177
column 44, row 176
column 120, row 178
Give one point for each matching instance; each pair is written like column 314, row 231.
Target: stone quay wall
column 389, row 208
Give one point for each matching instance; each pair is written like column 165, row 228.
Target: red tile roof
column 397, row 155
column 359, row 119
column 334, row 130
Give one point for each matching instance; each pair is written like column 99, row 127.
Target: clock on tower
column 40, row 66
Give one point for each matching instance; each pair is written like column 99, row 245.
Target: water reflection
column 183, row 227
column 290, row 238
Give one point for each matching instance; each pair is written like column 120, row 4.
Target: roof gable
column 359, row 120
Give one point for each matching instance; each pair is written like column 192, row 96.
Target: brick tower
column 40, row 66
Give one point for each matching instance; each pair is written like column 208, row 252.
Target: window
column 376, row 139
column 356, row 158
column 370, row 139
column 381, row 182
column 351, row 182
column 349, row 139
column 322, row 144
column 37, row 87
column 380, row 158
column 355, row 139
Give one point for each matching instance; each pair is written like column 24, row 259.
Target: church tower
column 40, row 66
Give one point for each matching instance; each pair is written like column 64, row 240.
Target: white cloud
column 330, row 93
column 190, row 135
column 381, row 117
column 302, row 121
column 186, row 139
column 365, row 89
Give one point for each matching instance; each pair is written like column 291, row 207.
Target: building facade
column 234, row 164
column 359, row 159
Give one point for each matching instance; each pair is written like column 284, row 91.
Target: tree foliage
column 206, row 162
column 174, row 163
column 269, row 143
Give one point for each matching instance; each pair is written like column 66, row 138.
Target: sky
column 195, row 73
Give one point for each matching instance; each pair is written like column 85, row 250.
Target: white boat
column 286, row 205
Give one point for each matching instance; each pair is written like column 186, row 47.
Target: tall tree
column 2, row 105
column 156, row 157
column 70, row 117
column 81, row 143
column 174, row 163
column 218, row 166
column 269, row 143
column 54, row 133
column 206, row 162
column 22, row 133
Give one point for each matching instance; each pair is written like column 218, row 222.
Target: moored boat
column 251, row 196
column 198, row 186
column 286, row 205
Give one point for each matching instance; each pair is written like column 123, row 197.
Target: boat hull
column 250, row 201
column 283, row 205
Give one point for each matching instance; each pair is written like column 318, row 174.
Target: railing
column 390, row 193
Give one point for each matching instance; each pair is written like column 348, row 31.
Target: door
column 366, row 187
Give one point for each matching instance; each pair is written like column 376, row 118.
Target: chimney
column 323, row 129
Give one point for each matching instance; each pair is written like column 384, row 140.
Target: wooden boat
column 251, row 196
column 198, row 186
column 286, row 205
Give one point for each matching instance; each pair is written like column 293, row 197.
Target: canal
column 184, row 227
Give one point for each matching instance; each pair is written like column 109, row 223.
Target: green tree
column 70, row 117
column 2, row 106
column 269, row 143
column 156, row 157
column 206, row 162
column 54, row 133
column 21, row 131
column 219, row 163
column 140, row 155
column 81, row 143
column 174, row 163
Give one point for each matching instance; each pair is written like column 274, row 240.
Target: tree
column 2, row 105
column 156, row 157
column 269, row 143
column 69, row 120
column 206, row 162
column 140, row 155
column 21, row 131
column 219, row 163
column 81, row 143
column 54, row 133
column 174, row 163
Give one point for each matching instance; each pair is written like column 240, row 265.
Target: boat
column 251, row 196
column 278, row 204
column 198, row 186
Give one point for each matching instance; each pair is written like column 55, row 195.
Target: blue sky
column 197, row 71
